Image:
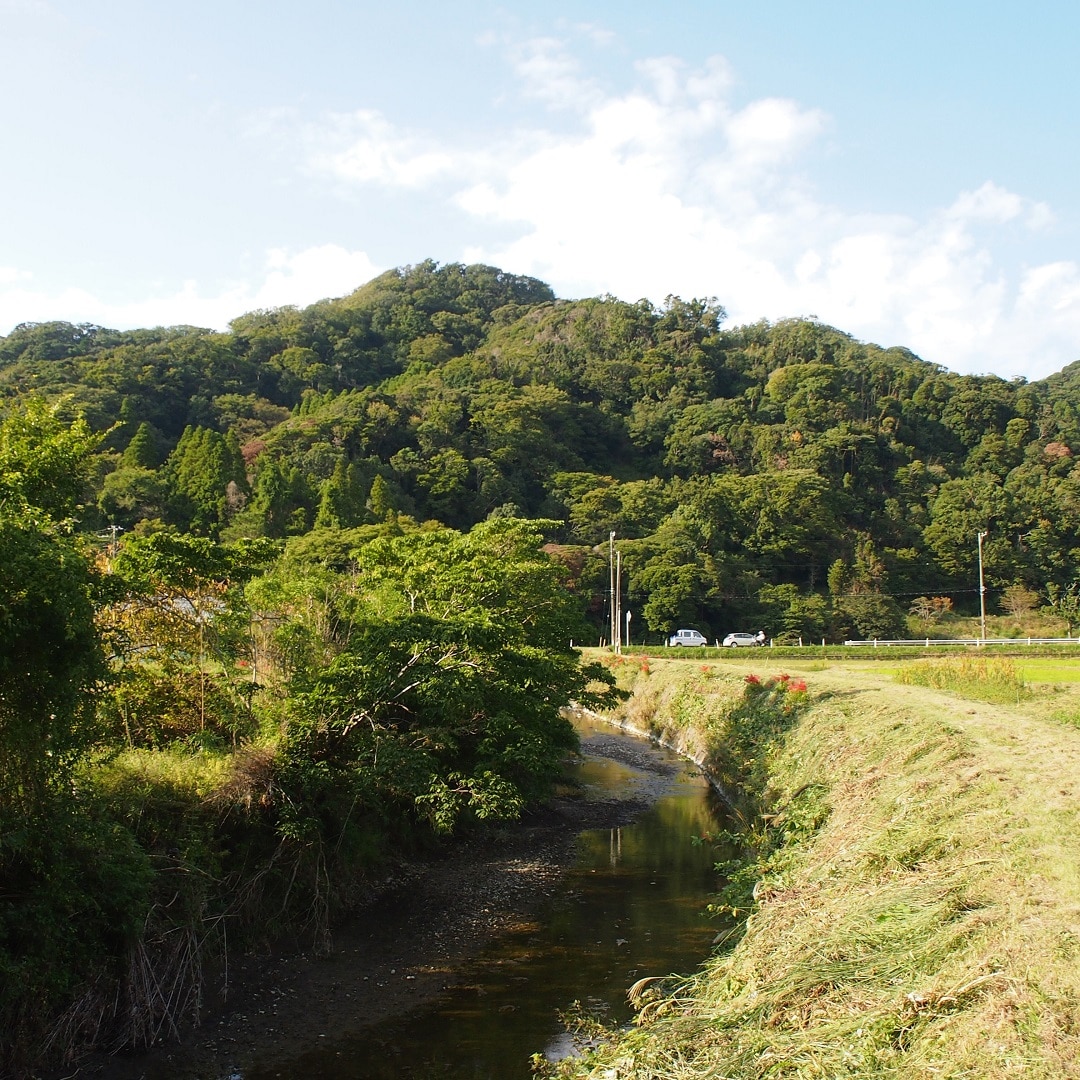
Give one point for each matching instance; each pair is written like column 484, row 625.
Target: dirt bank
column 402, row 949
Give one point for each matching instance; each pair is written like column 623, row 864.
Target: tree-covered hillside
column 781, row 474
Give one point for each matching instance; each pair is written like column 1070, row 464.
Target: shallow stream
column 632, row 906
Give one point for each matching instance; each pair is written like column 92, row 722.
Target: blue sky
column 903, row 171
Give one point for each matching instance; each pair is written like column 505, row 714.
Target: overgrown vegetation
column 777, row 475
column 200, row 735
column 982, row 677
column 912, row 918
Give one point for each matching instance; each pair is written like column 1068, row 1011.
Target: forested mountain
column 773, row 473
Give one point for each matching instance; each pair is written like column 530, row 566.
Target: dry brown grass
column 249, row 780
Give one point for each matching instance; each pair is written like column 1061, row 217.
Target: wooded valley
column 276, row 601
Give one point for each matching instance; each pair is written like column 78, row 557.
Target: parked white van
column 687, row 637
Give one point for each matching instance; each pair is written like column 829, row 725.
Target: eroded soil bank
column 406, row 946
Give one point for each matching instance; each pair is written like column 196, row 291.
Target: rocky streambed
column 407, row 945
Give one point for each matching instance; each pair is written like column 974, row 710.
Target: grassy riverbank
column 918, row 905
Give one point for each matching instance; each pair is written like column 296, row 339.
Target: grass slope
column 926, row 925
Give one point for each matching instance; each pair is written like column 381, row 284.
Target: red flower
column 753, row 680
column 797, row 686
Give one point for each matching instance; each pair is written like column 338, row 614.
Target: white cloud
column 671, row 187
column 550, row 73
column 673, row 184
column 988, row 203
column 363, row 147
column 994, row 204
column 1053, row 287
column 771, row 131
column 301, row 278
column 313, row 274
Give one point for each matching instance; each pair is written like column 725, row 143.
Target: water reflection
column 632, row 906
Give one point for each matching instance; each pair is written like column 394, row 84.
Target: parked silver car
column 733, row 641
column 688, row 637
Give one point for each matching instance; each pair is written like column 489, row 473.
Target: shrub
column 868, row 616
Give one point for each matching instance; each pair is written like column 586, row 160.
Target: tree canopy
column 453, row 393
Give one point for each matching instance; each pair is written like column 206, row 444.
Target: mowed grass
column 929, row 928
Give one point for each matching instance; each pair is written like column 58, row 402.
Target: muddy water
column 631, row 907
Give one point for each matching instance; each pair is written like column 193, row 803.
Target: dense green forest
column 777, row 475
column 277, row 602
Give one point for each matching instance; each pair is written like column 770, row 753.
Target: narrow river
column 631, row 906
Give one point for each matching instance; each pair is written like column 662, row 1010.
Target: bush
column 868, row 616
column 83, row 887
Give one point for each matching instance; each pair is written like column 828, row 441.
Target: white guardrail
column 971, row 641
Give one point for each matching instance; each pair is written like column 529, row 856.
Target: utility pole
column 611, row 584
column 982, row 595
column 113, row 530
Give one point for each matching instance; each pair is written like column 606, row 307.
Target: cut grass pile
column 928, row 926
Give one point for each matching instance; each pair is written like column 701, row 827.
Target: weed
column 984, row 678
column 1068, row 717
